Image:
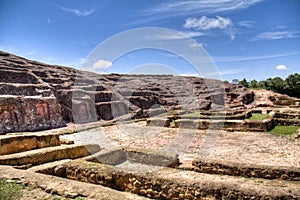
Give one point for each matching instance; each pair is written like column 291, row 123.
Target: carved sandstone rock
column 35, row 96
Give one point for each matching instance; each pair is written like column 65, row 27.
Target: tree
column 244, row 83
column 253, row 83
column 293, row 85
column 278, row 85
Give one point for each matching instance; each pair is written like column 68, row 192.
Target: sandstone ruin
column 141, row 134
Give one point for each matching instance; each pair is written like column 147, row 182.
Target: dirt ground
column 243, row 147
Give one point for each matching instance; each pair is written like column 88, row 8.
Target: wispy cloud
column 9, row 49
column 206, row 23
column 192, row 33
column 245, row 58
column 246, row 24
column 276, row 35
column 196, row 44
column 189, row 7
column 77, row 12
column 48, row 21
column 224, row 72
column 30, row 53
column 230, row 72
column 176, row 35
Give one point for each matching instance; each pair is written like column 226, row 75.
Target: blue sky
column 251, row 38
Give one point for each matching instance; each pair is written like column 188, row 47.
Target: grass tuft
column 10, row 190
column 284, row 130
column 259, row 117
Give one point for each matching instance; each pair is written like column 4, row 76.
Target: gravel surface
column 243, row 147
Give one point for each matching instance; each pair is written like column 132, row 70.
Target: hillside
column 37, row 96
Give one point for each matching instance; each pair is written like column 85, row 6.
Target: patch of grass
column 108, row 124
column 194, row 114
column 10, row 190
column 258, row 88
column 69, row 132
column 257, row 116
column 172, row 123
column 284, row 130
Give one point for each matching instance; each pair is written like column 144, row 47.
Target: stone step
column 65, row 187
column 24, row 142
column 117, row 156
column 49, row 154
column 47, row 168
column 169, row 183
column 246, row 170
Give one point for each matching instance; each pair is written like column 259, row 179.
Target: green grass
column 258, row 88
column 260, row 117
column 284, row 130
column 172, row 123
column 194, row 114
column 10, row 190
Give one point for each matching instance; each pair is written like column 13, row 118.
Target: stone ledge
column 19, row 143
column 246, row 170
column 169, row 183
column 232, row 125
column 117, row 156
column 49, row 154
column 64, row 187
column 150, row 157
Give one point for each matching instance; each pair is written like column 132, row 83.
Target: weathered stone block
column 49, row 154
column 18, row 143
column 29, row 114
column 158, row 121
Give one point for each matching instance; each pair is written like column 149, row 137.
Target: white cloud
column 281, row 67
column 102, row 64
column 30, row 53
column 77, row 12
column 48, row 21
column 176, row 8
column 275, row 35
column 196, row 44
column 81, row 60
column 193, row 75
column 176, row 35
column 9, row 49
column 244, row 58
column 247, row 24
column 206, row 23
column 224, row 72
column 189, row 7
column 192, row 33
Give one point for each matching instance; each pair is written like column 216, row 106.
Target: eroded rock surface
column 37, row 96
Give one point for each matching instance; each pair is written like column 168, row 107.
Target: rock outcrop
column 266, row 98
column 36, row 96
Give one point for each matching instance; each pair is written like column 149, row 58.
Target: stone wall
column 29, row 113
column 162, row 183
column 287, row 118
column 246, row 170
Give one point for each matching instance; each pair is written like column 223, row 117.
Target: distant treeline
column 289, row 86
